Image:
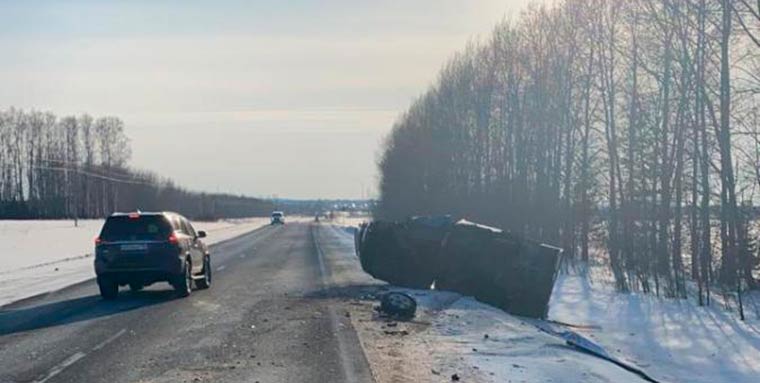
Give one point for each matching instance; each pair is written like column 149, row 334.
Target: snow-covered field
column 671, row 340
column 41, row 256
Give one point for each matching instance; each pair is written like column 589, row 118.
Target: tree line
column 78, row 167
column 624, row 128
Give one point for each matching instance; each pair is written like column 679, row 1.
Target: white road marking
column 62, row 366
column 109, row 340
column 349, row 370
column 322, row 268
column 220, row 268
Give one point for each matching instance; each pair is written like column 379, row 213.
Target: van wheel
column 184, row 282
column 109, row 289
column 399, row 305
column 206, row 281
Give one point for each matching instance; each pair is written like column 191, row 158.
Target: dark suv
column 278, row 218
column 139, row 249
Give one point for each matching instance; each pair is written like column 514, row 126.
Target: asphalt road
column 264, row 319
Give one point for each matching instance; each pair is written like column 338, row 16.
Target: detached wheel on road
column 205, row 282
column 184, row 282
column 109, row 289
column 398, row 305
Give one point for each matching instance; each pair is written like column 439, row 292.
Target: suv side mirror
column 201, row 234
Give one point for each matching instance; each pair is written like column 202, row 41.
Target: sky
column 269, row 98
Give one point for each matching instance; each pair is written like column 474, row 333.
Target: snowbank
column 673, row 340
column 41, row 256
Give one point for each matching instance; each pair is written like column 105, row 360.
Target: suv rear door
column 136, row 228
column 130, row 238
column 196, row 250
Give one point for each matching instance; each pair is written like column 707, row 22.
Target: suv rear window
column 143, row 228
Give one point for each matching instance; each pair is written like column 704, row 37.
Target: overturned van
column 496, row 267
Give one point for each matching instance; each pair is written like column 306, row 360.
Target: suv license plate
column 134, row 247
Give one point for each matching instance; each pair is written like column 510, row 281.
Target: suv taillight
column 98, row 241
column 173, row 239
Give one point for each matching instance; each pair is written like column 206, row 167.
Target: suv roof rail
column 121, row 213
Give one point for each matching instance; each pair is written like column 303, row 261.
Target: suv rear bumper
column 145, row 277
column 145, row 268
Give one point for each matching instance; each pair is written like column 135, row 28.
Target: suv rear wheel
column 205, row 282
column 183, row 283
column 109, row 289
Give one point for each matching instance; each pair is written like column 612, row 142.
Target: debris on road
column 586, row 345
column 398, row 305
column 397, row 332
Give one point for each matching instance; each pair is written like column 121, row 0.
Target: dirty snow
column 41, row 256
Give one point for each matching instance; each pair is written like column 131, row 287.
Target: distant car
column 278, row 218
column 139, row 249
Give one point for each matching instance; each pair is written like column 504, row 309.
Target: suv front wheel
column 205, row 282
column 183, row 283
